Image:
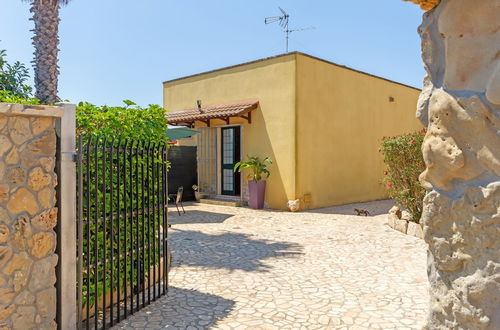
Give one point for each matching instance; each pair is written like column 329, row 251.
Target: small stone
column 6, row 295
column 12, row 157
column 23, row 201
column 414, row 229
column 4, row 192
column 42, row 244
column 44, row 145
column 24, row 298
column 5, row 312
column 16, row 176
column 46, row 303
column 41, row 124
column 20, row 280
column 24, row 318
column 5, row 144
column 50, row 325
column 4, row 233
column 20, row 261
column 5, row 254
column 23, row 226
column 4, row 216
column 401, row 225
column 19, row 129
column 46, row 198
column 38, row 179
column 3, row 121
column 45, row 220
column 46, row 274
column 48, row 163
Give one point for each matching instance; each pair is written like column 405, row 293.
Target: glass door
column 230, row 155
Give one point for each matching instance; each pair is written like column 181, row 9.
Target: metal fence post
column 66, row 238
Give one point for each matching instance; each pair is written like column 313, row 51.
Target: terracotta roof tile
column 211, row 112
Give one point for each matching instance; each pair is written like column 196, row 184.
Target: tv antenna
column 284, row 21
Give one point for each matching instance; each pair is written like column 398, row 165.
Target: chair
column 177, row 198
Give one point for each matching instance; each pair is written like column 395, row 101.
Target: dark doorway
column 230, row 155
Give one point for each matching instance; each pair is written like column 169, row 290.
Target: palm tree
column 46, row 41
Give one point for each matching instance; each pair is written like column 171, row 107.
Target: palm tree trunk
column 46, row 41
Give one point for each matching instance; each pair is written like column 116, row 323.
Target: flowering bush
column 404, row 160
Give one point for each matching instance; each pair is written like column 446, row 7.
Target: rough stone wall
column 27, row 217
column 460, row 104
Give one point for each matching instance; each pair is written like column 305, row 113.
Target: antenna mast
column 284, row 21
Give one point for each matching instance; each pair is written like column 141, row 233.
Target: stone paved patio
column 236, row 268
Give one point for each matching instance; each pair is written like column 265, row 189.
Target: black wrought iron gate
column 122, row 228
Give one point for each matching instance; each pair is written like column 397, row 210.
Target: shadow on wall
column 180, row 309
column 230, row 250
column 193, row 216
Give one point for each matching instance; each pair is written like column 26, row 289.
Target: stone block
column 4, row 233
column 5, row 144
column 38, row 179
column 46, row 275
column 414, row 229
column 5, row 255
column 19, row 129
column 41, row 244
column 46, row 303
column 46, row 220
column 20, row 261
column 401, row 225
column 23, row 201
column 46, row 198
column 4, row 192
column 40, row 124
column 24, row 318
column 44, row 145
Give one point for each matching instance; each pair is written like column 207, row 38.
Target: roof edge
column 288, row 54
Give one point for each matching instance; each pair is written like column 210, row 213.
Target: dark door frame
column 236, row 150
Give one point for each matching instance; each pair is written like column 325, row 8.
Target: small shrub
column 404, row 160
column 13, row 78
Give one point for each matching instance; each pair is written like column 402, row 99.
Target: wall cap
column 16, row 109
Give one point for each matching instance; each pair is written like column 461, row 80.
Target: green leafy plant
column 258, row 167
column 8, row 97
column 13, row 79
column 404, row 161
column 119, row 123
column 128, row 121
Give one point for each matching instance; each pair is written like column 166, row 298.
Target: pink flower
column 389, row 185
column 413, row 141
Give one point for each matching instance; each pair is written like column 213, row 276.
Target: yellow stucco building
column 321, row 123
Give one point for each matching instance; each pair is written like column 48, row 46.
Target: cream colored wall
column 342, row 116
column 272, row 131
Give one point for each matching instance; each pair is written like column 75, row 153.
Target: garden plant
column 404, row 161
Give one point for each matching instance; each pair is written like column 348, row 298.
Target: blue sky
column 113, row 50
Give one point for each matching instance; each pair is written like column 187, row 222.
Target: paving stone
column 236, row 268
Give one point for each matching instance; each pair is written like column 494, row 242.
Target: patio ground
column 236, row 268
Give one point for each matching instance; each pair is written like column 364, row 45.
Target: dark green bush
column 404, row 160
column 132, row 123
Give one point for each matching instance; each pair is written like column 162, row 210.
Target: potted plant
column 197, row 195
column 256, row 183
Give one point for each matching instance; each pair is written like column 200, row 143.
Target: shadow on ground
column 194, row 216
column 232, row 251
column 180, row 309
column 374, row 208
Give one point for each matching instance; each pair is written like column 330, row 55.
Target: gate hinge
column 75, row 157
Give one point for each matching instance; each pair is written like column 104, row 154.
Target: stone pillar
column 460, row 104
column 28, row 216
